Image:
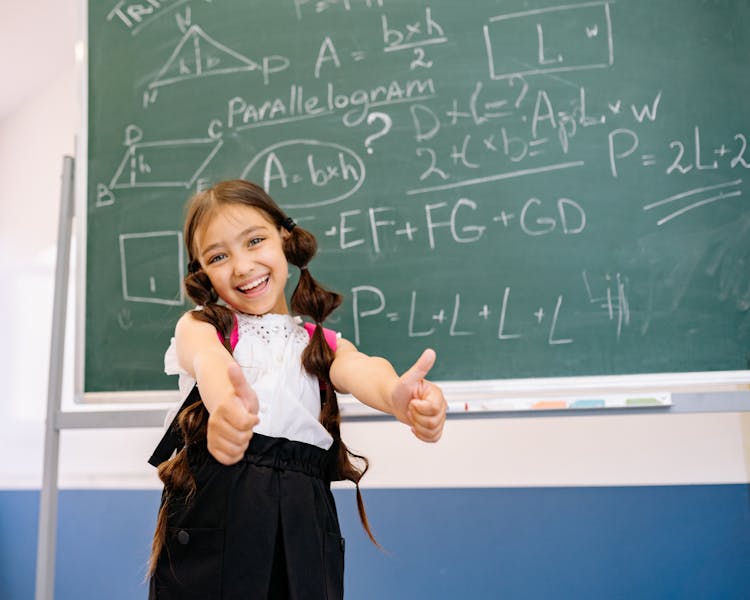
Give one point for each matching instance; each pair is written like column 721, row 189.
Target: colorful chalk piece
column 590, row 403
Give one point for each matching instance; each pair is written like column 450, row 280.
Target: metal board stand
column 47, row 536
column 56, row 420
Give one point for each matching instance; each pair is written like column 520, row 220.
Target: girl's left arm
column 409, row 397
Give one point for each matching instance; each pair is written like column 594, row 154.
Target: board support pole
column 47, row 535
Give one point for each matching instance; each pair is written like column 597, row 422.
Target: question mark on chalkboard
column 387, row 122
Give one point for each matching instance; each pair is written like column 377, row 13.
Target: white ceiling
column 37, row 39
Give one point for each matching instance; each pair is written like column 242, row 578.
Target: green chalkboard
column 534, row 189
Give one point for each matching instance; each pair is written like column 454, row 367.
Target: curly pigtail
column 175, row 474
column 312, row 299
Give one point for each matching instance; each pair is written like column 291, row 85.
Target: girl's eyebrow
column 250, row 230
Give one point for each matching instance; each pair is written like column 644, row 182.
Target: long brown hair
column 309, row 298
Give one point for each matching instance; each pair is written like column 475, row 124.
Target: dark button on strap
column 183, row 537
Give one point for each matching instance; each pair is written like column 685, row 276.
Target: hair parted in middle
column 309, row 298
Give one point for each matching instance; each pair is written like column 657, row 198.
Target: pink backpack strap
column 329, row 334
column 234, row 336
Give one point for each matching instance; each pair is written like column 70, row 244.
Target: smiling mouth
column 254, row 286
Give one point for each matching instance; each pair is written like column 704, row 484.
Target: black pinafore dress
column 265, row 528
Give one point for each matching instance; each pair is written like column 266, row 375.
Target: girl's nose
column 242, row 265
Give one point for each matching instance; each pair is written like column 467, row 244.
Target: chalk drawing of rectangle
column 151, row 264
column 572, row 37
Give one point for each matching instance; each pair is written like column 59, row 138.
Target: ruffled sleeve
column 171, row 364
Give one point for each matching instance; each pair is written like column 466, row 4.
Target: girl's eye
column 216, row 258
column 254, row 241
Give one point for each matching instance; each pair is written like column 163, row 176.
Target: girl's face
column 241, row 251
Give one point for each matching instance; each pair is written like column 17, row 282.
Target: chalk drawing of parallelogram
column 199, row 55
column 166, row 163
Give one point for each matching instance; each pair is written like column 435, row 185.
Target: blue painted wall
column 608, row 542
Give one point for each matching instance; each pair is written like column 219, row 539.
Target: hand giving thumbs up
column 230, row 425
column 418, row 402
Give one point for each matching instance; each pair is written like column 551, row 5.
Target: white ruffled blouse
column 269, row 350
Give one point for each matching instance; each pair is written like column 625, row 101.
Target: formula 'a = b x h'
column 720, row 191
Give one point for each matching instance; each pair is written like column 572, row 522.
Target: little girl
column 247, row 510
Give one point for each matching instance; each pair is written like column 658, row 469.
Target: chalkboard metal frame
column 80, row 199
column 496, row 396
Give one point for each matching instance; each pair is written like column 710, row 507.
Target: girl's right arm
column 230, row 401
column 410, row 397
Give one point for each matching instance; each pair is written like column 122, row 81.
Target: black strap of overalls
column 172, row 438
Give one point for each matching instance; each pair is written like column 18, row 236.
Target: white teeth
column 253, row 284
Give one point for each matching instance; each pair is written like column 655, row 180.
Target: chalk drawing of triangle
column 199, row 55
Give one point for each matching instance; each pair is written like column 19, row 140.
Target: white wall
column 606, row 450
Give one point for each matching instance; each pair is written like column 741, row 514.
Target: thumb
column 419, row 369
column 242, row 389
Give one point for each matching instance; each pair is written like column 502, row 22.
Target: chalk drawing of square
column 152, row 267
